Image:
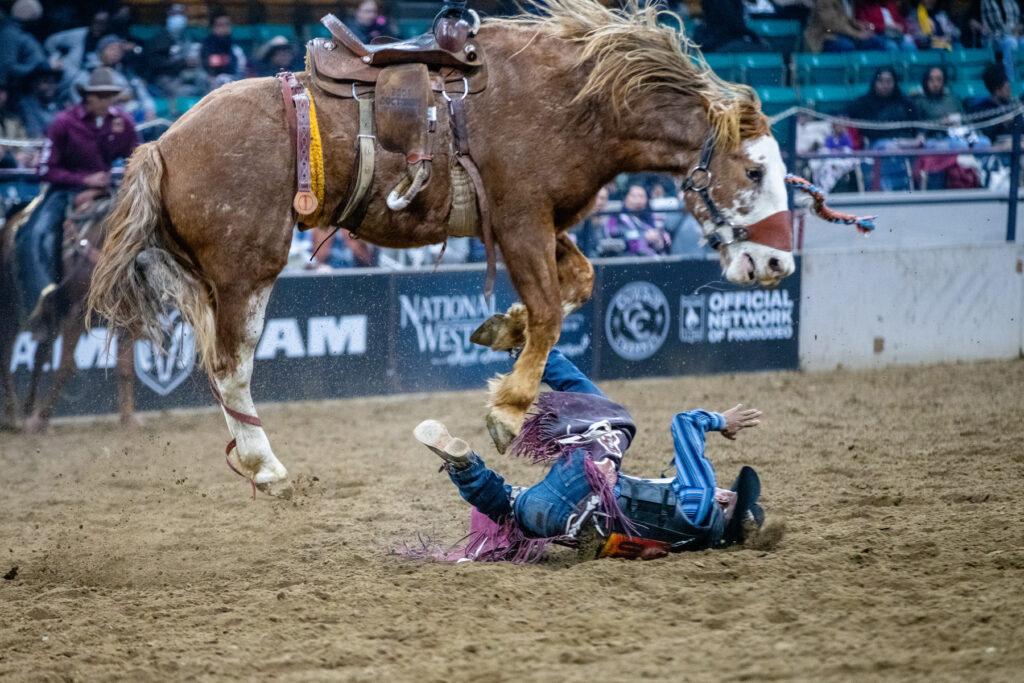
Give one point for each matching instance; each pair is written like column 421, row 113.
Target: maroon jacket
column 76, row 146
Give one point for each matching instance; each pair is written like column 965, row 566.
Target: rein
column 865, row 224
column 699, row 181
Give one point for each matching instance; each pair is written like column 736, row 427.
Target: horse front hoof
column 282, row 489
column 502, row 428
column 489, row 331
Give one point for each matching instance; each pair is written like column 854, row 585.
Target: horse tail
column 143, row 272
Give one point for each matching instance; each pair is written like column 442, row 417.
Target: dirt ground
column 140, row 556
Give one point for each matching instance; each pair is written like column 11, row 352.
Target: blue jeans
column 542, row 511
column 37, row 244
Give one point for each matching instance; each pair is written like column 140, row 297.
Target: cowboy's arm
column 562, row 375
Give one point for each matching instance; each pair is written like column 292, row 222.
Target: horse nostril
column 774, row 265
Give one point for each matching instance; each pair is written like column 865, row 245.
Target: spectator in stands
column 884, row 19
column 170, row 53
column 1000, row 95
column 11, row 128
column 931, row 27
column 72, row 51
column 135, row 98
column 20, row 53
column 636, row 231
column 367, row 21
column 936, row 103
column 82, row 144
column 222, row 57
column 886, row 103
column 42, row 102
column 1002, row 25
column 274, row 56
column 832, row 28
column 724, row 28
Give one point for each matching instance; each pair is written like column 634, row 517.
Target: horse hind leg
column 239, row 326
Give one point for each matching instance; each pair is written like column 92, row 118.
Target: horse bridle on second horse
column 699, row 181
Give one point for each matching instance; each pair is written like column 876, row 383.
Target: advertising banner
column 682, row 318
column 366, row 333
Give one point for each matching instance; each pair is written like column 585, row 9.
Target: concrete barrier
column 916, row 305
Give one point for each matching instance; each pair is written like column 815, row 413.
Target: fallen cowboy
column 585, row 501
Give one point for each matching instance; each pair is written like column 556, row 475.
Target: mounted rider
column 82, row 144
column 584, row 500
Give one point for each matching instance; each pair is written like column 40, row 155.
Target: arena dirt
column 140, row 556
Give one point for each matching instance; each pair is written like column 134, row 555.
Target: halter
column 699, row 181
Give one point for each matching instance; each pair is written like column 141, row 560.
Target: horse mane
column 630, row 52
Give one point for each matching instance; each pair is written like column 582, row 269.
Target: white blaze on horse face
column 746, row 262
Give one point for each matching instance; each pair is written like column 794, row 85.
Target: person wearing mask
column 42, row 102
column 832, row 28
column 222, row 58
column 885, row 103
column 931, row 27
column 20, row 53
column 368, row 23
column 1001, row 23
column 135, row 99
column 74, row 51
column 884, row 19
column 724, row 28
column 81, row 146
column 170, row 53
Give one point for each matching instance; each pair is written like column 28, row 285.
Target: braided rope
column 865, row 224
column 983, row 119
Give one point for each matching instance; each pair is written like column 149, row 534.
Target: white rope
column 39, row 142
column 977, row 120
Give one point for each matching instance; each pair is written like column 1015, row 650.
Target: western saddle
column 395, row 84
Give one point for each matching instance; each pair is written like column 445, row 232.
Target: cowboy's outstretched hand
column 737, row 418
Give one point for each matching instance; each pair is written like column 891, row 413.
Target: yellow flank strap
column 316, row 163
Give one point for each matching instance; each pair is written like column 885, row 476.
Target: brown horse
column 83, row 235
column 574, row 97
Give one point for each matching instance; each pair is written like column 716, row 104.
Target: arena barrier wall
column 914, row 305
column 360, row 333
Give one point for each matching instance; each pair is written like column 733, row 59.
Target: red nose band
column 776, row 231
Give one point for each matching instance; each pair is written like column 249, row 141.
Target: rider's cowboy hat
column 102, row 81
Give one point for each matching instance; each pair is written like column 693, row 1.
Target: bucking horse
column 504, row 129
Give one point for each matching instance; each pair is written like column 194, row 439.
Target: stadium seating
column 783, row 35
column 865, row 64
column 968, row 64
column 776, row 98
column 827, row 68
column 830, row 99
column 725, row 65
column 969, row 89
column 916, row 64
column 761, row 68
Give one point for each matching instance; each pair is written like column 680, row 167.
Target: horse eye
column 755, row 174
